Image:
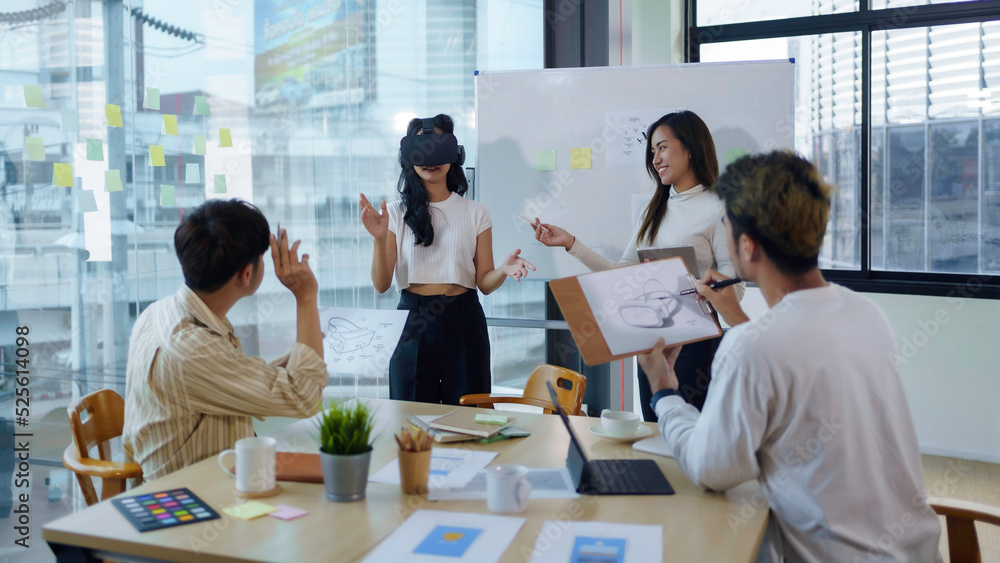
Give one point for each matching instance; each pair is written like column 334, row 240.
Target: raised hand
column 515, row 266
column 551, row 235
column 293, row 273
column 375, row 222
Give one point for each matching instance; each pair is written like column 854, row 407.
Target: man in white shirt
column 190, row 391
column 805, row 398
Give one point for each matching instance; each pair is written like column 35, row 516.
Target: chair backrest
column 960, row 519
column 95, row 420
column 569, row 385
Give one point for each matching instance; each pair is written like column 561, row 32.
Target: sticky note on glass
column 152, row 100
column 199, row 144
column 220, row 183
column 545, row 161
column 156, row 155
column 169, row 124
column 491, row 419
column 112, row 181
column 201, row 105
column 732, row 155
column 285, row 512
column 34, row 148
column 192, row 174
column 114, row 115
column 167, row 196
column 87, row 201
column 579, row 159
column 249, row 510
column 70, row 121
column 225, row 138
column 62, row 175
column 95, row 149
column 33, row 96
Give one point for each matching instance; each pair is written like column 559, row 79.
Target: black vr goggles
column 430, row 148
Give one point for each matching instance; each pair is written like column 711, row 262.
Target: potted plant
column 345, row 449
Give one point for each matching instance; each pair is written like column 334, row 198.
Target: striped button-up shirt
column 191, row 392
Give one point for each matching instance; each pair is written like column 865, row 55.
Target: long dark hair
column 417, row 215
column 697, row 139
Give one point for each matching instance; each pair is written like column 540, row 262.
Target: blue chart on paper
column 598, row 550
column 448, row 541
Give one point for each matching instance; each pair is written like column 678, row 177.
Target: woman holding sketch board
column 684, row 210
column 440, row 246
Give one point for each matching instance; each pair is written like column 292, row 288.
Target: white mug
column 507, row 488
column 255, row 465
column 619, row 423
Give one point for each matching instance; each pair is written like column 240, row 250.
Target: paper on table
column 62, row 175
column 545, row 483
column 34, row 148
column 557, row 540
column 199, row 144
column 152, row 99
column 114, row 115
column 420, row 538
column 450, row 468
column 220, row 183
column 95, row 149
column 249, row 510
column 192, row 174
column 225, row 138
column 655, row 445
column 169, row 124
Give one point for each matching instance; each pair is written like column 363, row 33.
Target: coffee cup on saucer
column 619, row 423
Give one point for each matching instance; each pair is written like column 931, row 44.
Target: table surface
column 697, row 525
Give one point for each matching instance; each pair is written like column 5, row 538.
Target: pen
column 714, row 286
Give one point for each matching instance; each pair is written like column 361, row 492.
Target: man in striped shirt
column 190, row 391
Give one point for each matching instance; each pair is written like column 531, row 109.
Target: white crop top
column 457, row 222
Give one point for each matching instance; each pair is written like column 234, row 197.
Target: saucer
column 642, row 432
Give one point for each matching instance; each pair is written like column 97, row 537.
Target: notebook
column 440, row 436
column 292, row 466
column 463, row 422
column 610, row 476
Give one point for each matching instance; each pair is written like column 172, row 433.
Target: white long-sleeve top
column 693, row 217
column 807, row 400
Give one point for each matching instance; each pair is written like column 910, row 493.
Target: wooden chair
column 105, row 417
column 569, row 385
column 961, row 517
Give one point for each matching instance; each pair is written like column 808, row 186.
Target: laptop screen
column 576, row 460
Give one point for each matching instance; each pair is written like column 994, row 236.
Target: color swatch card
column 598, row 542
column 165, row 509
column 434, row 535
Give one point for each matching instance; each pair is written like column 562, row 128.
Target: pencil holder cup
column 414, row 470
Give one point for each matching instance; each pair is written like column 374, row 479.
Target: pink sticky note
column 286, row 512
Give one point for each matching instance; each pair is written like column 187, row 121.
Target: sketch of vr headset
column 430, row 148
column 655, row 308
column 346, row 336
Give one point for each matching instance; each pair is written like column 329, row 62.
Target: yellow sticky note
column 112, row 181
column 170, row 124
column 35, row 148
column 249, row 510
column 62, row 175
column 156, row 155
column 199, row 144
column 220, row 183
column 33, row 96
column 579, row 159
column 225, row 138
column 114, row 114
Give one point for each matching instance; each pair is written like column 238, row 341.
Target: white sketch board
column 360, row 341
column 747, row 106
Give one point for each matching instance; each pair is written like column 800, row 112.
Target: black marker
column 714, row 286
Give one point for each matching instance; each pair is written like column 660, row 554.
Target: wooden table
column 697, row 525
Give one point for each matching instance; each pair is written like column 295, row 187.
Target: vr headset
column 430, row 148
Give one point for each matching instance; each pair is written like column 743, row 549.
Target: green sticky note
column 70, row 121
column 88, row 203
column 112, row 181
column 225, row 138
column 114, row 115
column 156, row 155
column 192, row 174
column 199, row 144
column 152, row 100
column 34, row 148
column 169, row 124
column 201, row 106
column 579, row 159
column 62, row 175
column 545, row 161
column 95, row 149
column 33, row 96
column 220, row 183
column 732, row 155
column 167, row 195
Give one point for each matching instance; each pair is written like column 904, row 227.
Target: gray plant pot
column 345, row 477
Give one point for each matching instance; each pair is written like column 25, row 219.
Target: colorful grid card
column 165, row 509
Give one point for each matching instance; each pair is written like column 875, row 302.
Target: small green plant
column 346, row 430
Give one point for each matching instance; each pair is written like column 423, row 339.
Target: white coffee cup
column 255, row 465
column 507, row 488
column 619, row 423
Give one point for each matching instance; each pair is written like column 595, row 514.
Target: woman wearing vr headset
column 680, row 158
column 440, row 246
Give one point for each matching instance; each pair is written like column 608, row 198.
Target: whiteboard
column 523, row 114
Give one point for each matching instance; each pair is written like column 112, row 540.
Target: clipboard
column 686, row 252
column 586, row 328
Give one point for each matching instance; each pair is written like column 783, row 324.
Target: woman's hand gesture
column 375, row 222
column 516, row 267
column 551, row 235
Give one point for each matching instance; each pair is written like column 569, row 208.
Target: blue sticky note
column 598, row 550
column 448, row 541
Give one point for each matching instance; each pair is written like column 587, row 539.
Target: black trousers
column 444, row 351
column 694, row 373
